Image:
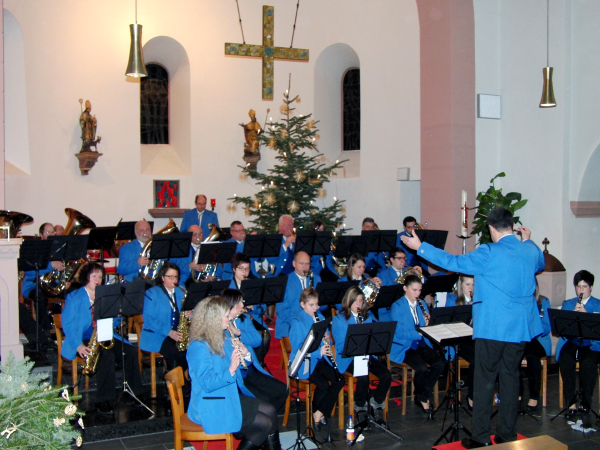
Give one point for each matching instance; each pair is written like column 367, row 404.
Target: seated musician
column 319, row 370
column 187, row 265
column 411, row 347
column 296, row 283
column 78, row 325
column 322, row 265
column 374, row 261
column 162, row 307
column 130, row 261
column 283, row 262
column 356, row 272
column 220, row 401
column 409, row 223
column 256, row 379
column 354, row 311
column 588, row 351
column 463, row 295
column 241, row 269
column 535, row 350
column 238, row 235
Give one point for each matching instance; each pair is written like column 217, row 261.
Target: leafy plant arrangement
column 489, row 200
column 33, row 413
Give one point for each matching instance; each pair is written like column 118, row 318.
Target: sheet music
column 448, row 331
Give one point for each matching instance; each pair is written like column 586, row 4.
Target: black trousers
column 28, row 325
column 467, row 352
column 588, row 371
column 105, row 372
column 380, row 370
column 265, row 387
column 496, row 359
column 173, row 357
column 263, row 348
column 40, row 304
column 428, row 365
column 328, row 387
column 534, row 352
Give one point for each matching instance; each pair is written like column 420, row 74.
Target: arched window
column 154, row 105
column 351, row 105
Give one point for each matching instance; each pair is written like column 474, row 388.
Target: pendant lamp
column 547, row 100
column 136, row 67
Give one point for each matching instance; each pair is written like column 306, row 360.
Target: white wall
column 544, row 152
column 76, row 50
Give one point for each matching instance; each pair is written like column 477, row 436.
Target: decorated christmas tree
column 33, row 413
column 297, row 181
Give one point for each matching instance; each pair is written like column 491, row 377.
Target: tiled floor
column 418, row 433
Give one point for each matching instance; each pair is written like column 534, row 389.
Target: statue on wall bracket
column 88, row 123
column 252, row 146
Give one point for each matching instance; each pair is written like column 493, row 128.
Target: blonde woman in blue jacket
column 220, row 401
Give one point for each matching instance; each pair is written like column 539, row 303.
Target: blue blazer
column 215, row 400
column 77, row 322
column 157, row 318
column 29, row 280
column 282, row 263
column 184, row 266
column 251, row 338
column 226, row 272
column 411, row 255
column 316, row 267
column 256, row 312
column 298, row 331
column 592, row 306
column 374, row 260
column 290, row 307
column 406, row 335
column 128, row 256
column 505, row 309
column 190, row 217
column 339, row 328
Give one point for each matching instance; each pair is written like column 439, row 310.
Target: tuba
column 184, row 325
column 150, row 271
column 54, row 282
column 216, row 234
column 11, row 222
column 370, row 290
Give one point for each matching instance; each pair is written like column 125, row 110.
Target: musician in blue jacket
column 411, row 347
column 78, row 325
column 200, row 216
column 356, row 272
column 257, row 380
column 162, row 308
column 589, row 351
column 238, row 235
column 187, row 264
column 354, row 312
column 323, row 263
column 296, row 283
column 534, row 351
column 220, row 401
column 241, row 269
column 374, row 261
column 319, row 370
column 283, row 263
column 409, row 223
column 505, row 317
column 130, row 261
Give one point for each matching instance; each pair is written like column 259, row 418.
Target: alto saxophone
column 184, row 326
column 91, row 361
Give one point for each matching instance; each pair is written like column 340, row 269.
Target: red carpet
column 457, row 446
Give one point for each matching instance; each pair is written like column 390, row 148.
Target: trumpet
column 310, row 276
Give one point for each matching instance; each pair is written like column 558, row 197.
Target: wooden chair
column 64, row 364
column 405, row 378
column 560, row 387
column 146, row 358
column 184, row 428
column 544, row 391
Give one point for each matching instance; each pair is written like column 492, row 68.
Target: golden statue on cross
column 267, row 52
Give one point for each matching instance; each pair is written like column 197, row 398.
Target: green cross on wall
column 267, row 52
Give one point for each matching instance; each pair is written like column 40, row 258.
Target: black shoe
column 533, row 408
column 583, row 409
column 420, row 405
column 499, row 440
column 272, row 442
column 361, row 416
column 472, row 443
column 378, row 415
column 245, row 444
column 104, row 407
column 317, row 425
column 323, row 420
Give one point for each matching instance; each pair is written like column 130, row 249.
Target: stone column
column 9, row 299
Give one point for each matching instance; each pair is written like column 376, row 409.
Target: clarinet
column 331, row 358
column 425, row 315
column 580, row 299
column 361, row 318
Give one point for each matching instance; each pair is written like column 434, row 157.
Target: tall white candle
column 463, row 215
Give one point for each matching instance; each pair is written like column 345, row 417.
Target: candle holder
column 464, row 243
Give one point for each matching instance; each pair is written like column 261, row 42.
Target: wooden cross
column 545, row 242
column 267, row 52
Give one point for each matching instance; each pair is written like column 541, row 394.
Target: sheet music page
column 448, row 331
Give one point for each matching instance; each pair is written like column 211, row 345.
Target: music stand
column 387, row 297
column 331, row 293
column 35, row 255
column 199, row 291
column 437, row 238
column 267, row 291
column 226, row 233
column 170, row 245
column 216, row 253
column 65, row 248
column 313, row 242
column 348, row 245
column 370, row 339
column 102, row 238
column 440, row 283
column 381, row 240
column 120, row 300
column 311, row 343
column 450, row 314
column 126, row 230
column 438, row 335
column 574, row 325
column 262, row 246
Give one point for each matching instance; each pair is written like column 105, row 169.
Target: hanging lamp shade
column 547, row 100
column 136, row 67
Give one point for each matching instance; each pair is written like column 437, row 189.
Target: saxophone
column 184, row 326
column 91, row 361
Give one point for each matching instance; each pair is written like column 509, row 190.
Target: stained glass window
column 154, row 105
column 351, row 102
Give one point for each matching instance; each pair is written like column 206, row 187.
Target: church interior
column 449, row 97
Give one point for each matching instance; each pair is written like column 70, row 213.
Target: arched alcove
column 588, row 198
column 174, row 158
column 15, row 99
column 330, row 67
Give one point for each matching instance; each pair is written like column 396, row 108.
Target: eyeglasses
column 399, row 257
column 172, row 277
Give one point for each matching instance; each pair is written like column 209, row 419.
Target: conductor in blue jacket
column 130, row 261
column 220, row 401
column 589, row 351
column 505, row 317
column 78, row 325
column 162, row 308
column 199, row 216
